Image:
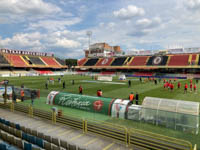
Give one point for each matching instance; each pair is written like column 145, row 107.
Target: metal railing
column 116, row 132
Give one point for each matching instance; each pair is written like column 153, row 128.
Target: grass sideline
column 113, row 91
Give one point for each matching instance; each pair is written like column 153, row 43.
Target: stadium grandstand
column 26, row 62
column 183, row 60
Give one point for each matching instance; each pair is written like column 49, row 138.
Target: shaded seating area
column 35, row 60
column 16, row 60
column 178, row 60
column 138, row 61
column 91, row 62
column 3, row 61
column 119, row 61
column 104, row 62
column 60, row 61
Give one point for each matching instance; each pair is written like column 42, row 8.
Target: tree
column 71, row 62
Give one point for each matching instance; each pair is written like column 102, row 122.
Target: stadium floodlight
column 89, row 34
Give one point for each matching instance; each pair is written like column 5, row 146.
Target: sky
column 60, row 26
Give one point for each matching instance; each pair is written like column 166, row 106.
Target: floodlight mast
column 89, row 34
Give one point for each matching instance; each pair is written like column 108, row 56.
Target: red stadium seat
column 50, row 61
column 81, row 62
column 138, row 61
column 16, row 60
column 178, row 60
column 104, row 62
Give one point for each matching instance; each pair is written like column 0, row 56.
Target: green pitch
column 113, row 91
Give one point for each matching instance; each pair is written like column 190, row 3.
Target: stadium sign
column 9, row 51
column 89, row 103
column 157, row 60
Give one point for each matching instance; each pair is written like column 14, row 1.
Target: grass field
column 113, row 91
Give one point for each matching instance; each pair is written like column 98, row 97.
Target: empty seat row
column 34, row 137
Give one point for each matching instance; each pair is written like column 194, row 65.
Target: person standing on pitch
column 80, row 90
column 72, row 82
column 185, row 88
column 190, row 86
column 63, row 84
column 137, row 98
column 195, row 89
column 131, row 98
column 22, row 95
column 179, row 85
column 46, row 85
column 129, row 83
column 32, row 97
column 14, row 96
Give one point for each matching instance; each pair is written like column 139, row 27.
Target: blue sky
column 60, row 26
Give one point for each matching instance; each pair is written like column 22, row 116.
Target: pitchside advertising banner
column 89, row 103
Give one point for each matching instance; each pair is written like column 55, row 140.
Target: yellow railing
column 120, row 133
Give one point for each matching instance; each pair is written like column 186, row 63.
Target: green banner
column 89, row 103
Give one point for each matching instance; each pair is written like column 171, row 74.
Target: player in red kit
column 195, row 88
column 185, row 89
column 171, row 87
column 190, row 87
column 179, row 85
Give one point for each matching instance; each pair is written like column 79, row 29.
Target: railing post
column 127, row 137
column 30, row 111
column 83, row 123
column 85, row 126
column 12, row 107
column 53, row 116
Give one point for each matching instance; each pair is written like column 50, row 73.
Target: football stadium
column 99, row 75
column 165, row 114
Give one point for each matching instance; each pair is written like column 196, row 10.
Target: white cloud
column 148, row 23
column 192, row 4
column 20, row 10
column 54, row 25
column 22, row 40
column 66, row 43
column 129, row 12
column 32, row 7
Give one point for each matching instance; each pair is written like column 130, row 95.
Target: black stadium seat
column 118, row 61
column 62, row 62
column 91, row 62
column 36, row 60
